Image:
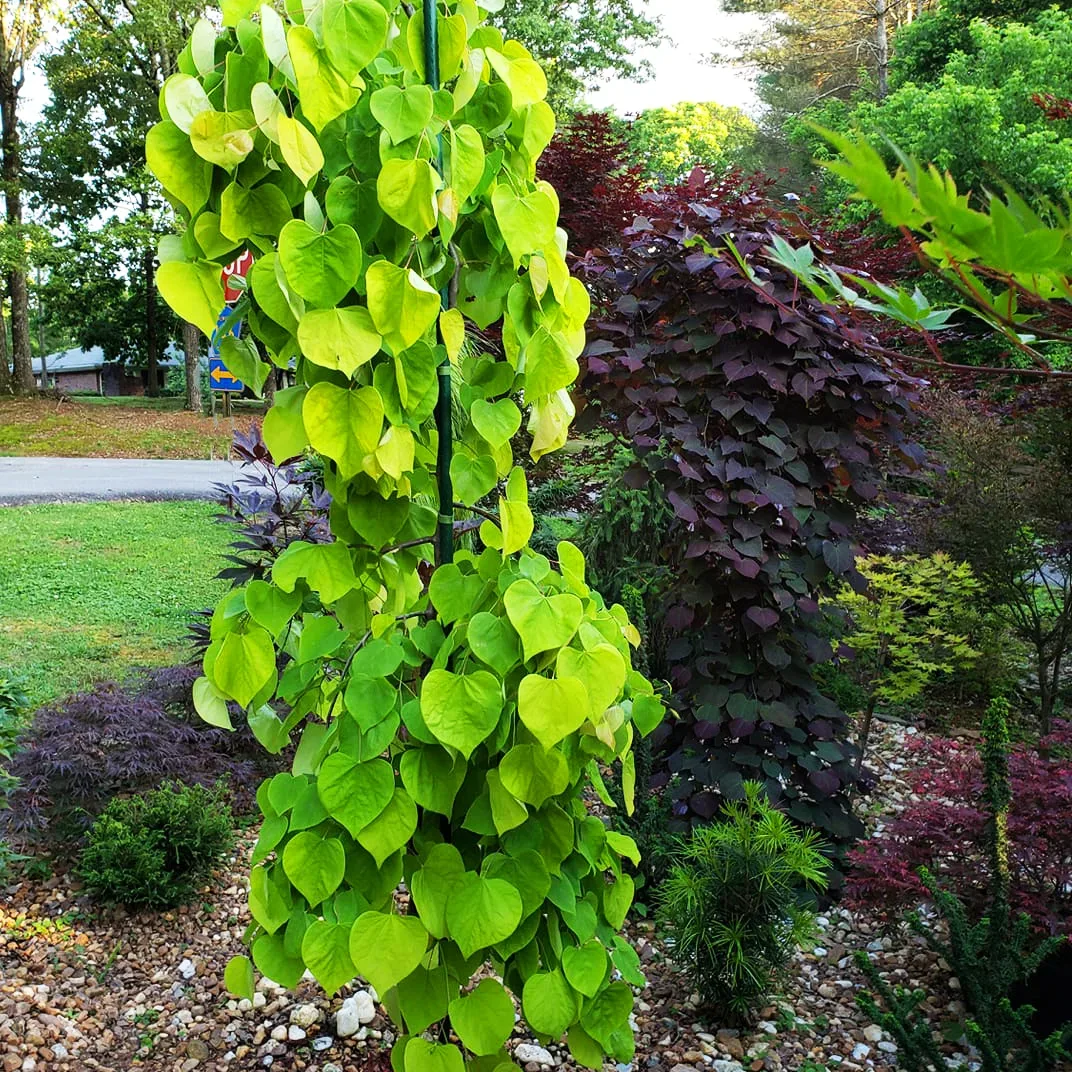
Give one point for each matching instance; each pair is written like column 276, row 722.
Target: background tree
column 978, row 119
column 667, row 143
column 582, row 43
column 105, row 82
column 22, row 30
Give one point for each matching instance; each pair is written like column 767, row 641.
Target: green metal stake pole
column 445, row 530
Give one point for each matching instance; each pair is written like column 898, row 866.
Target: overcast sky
column 693, row 28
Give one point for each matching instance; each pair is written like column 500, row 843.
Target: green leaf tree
column 445, row 731
column 89, row 173
column 902, row 627
column 23, row 24
column 580, row 44
column 668, row 143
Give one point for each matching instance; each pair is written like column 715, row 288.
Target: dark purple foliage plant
column 80, row 752
column 764, row 417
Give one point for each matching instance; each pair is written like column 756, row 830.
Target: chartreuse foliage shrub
column 903, row 627
column 154, row 849
column 445, row 723
column 737, row 899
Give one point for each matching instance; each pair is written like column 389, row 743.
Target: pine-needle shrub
column 737, row 898
column 989, row 957
column 154, row 850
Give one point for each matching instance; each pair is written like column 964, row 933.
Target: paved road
column 25, row 480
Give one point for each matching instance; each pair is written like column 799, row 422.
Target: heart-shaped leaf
column 355, row 793
column 342, row 339
column 385, row 948
column 551, row 708
column 482, row 912
column 314, row 865
column 355, row 32
column 533, row 774
column 321, row 266
column 403, row 305
column 326, row 952
column 498, row 422
column 542, row 622
column 345, row 424
column 403, row 113
column 484, row 1018
column 586, row 966
column 407, row 193
column 600, row 669
column 494, row 642
column 461, row 710
column 549, row 1003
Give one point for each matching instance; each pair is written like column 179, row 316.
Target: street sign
column 221, row 379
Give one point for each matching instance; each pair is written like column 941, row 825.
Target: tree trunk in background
column 5, row 367
column 269, row 388
column 151, row 327
column 11, row 172
column 191, row 345
column 882, row 49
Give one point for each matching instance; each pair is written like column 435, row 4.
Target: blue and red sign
column 219, row 376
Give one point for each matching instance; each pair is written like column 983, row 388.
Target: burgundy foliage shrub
column 945, row 830
column 81, row 751
column 763, row 420
column 598, row 191
column 270, row 506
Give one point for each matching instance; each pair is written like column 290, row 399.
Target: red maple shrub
column 944, row 829
column 598, row 190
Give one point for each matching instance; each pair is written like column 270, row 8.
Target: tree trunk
column 882, row 49
column 5, row 366
column 269, row 388
column 151, row 329
column 865, row 734
column 1047, row 694
column 191, row 344
column 11, row 172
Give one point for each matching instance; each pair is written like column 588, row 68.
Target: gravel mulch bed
column 85, row 988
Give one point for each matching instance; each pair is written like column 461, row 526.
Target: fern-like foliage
column 737, row 898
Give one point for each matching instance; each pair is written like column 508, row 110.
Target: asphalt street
column 26, row 480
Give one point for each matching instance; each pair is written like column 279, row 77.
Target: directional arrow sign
column 220, row 378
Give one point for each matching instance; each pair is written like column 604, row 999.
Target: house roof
column 78, row 360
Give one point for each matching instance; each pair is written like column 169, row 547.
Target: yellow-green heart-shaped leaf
column 407, row 193
column 345, row 424
column 343, row 339
column 355, row 32
column 551, row 708
column 322, row 266
column 323, row 91
column 461, row 710
column 542, row 622
column 385, row 948
column 484, row 1018
column 403, row 305
column 193, row 290
column 601, row 670
column 403, row 113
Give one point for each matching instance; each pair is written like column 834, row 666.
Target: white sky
column 693, row 29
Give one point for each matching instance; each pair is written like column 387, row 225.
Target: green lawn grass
column 90, row 591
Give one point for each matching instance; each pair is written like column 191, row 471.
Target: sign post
column 220, row 378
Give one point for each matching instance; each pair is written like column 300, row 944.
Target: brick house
column 87, row 372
